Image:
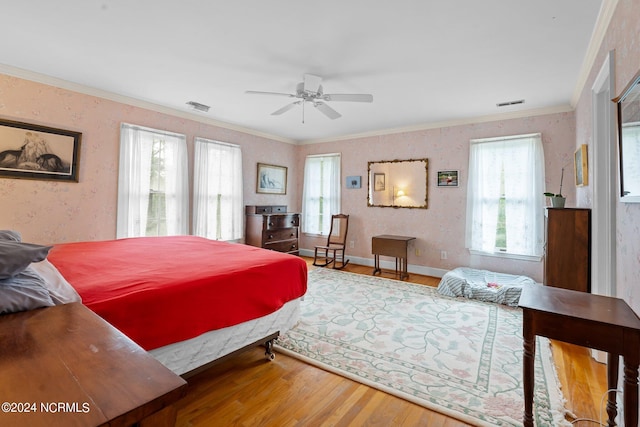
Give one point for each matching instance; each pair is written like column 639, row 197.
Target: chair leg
column 326, row 258
column 343, row 263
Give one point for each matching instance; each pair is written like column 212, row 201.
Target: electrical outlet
column 443, row 254
column 351, row 244
column 417, row 251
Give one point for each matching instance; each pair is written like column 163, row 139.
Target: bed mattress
column 191, row 354
column 163, row 290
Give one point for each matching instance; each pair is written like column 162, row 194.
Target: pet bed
column 483, row 285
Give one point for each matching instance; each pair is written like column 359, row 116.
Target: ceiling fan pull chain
column 302, row 112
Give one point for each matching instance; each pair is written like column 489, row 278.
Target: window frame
column 534, row 200
column 333, row 194
column 134, row 181
column 235, row 184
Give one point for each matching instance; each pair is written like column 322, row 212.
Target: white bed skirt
column 188, row 355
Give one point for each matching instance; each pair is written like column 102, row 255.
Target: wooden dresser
column 65, row 366
column 272, row 227
column 567, row 261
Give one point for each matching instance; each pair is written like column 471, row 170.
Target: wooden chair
column 333, row 251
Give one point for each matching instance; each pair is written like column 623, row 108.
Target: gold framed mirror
column 398, row 183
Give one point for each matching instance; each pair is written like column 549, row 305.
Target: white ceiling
column 424, row 61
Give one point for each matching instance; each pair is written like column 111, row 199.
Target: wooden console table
column 393, row 246
column 65, row 366
column 594, row 321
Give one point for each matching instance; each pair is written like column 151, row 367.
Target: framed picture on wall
column 379, row 181
column 38, row 152
column 354, row 181
column 448, row 178
column 272, row 179
column 580, row 166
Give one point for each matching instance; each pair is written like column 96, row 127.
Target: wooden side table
column 594, row 321
column 393, row 246
column 65, row 366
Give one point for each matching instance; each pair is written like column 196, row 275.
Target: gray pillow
column 10, row 235
column 25, row 291
column 16, row 256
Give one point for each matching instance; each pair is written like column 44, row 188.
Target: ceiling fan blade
column 258, row 92
column 285, row 108
column 326, row 110
column 350, row 97
column 311, row 83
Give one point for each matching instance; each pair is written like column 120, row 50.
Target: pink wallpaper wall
column 55, row 212
column 621, row 36
column 441, row 227
column 51, row 212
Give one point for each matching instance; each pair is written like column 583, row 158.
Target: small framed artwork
column 580, row 166
column 271, row 179
column 379, row 182
column 448, row 178
column 354, row 182
column 38, row 152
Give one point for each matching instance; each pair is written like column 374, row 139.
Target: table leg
column 528, row 371
column 612, row 384
column 630, row 391
column 376, row 264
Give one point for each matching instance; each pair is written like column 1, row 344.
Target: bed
column 187, row 300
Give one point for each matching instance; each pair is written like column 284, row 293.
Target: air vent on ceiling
column 504, row 104
column 198, row 107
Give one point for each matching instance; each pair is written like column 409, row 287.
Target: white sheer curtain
column 134, row 180
column 321, row 192
column 217, row 190
column 512, row 167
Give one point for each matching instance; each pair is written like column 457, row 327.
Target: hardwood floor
column 248, row 391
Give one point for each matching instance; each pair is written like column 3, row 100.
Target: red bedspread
column 161, row 290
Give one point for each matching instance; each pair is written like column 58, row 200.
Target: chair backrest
column 339, row 228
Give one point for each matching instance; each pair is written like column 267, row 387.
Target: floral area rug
column 459, row 357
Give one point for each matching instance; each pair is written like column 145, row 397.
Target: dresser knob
column 271, row 236
column 270, row 224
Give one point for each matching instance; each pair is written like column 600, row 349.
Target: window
column 321, row 193
column 153, row 191
column 217, row 190
column 505, row 198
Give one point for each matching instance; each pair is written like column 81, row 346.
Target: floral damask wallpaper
column 55, row 212
column 52, row 212
column 441, row 227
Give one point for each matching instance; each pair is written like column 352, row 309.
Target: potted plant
column 557, row 200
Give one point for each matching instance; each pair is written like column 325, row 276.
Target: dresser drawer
column 274, row 222
column 272, row 227
column 283, row 246
column 269, row 236
column 265, row 209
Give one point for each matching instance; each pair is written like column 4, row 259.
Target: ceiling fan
column 310, row 90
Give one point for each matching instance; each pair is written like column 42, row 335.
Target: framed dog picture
column 38, row 152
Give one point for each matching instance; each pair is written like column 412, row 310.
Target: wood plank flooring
column 249, row 391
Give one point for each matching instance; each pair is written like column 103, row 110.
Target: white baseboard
column 388, row 265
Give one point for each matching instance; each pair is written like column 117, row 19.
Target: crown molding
column 599, row 31
column 92, row 91
column 87, row 90
column 450, row 123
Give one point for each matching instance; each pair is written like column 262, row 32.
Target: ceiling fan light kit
column 310, row 90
